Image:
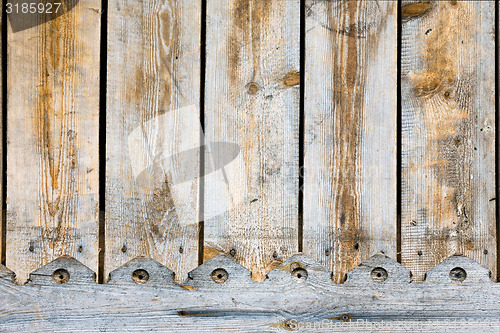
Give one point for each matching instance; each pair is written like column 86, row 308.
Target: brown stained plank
column 152, row 115
column 350, row 132
column 52, row 150
column 448, row 133
column 252, row 98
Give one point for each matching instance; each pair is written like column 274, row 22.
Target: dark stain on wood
column 291, row 79
column 348, row 81
column 415, row 10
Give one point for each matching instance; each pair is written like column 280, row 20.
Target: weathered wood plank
column 350, row 132
column 448, row 133
column 2, row 152
column 284, row 302
column 252, row 100
column 52, row 149
column 152, row 119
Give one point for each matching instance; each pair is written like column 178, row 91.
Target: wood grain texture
column 350, row 132
column 252, row 100
column 52, row 150
column 279, row 304
column 152, row 116
column 448, row 133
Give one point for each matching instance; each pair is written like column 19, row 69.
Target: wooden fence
column 310, row 139
column 356, row 128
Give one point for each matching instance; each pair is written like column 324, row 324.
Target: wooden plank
column 2, row 224
column 448, row 133
column 152, row 119
column 52, row 149
column 252, row 101
column 281, row 303
column 350, row 132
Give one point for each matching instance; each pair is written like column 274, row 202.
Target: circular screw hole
column 140, row 276
column 345, row 317
column 458, row 274
column 299, row 275
column 61, row 276
column 220, row 275
column 379, row 274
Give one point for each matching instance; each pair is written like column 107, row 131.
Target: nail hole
column 220, row 275
column 299, row 275
column 232, row 252
column 275, row 255
column 356, row 246
column 379, row 274
column 61, row 276
column 80, row 249
column 458, row 274
column 124, row 249
column 31, row 248
column 140, row 276
column 419, row 253
column 181, row 250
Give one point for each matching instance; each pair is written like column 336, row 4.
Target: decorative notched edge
column 218, row 272
column 376, row 270
column 299, row 269
column 458, row 270
column 142, row 270
column 63, row 271
column 223, row 272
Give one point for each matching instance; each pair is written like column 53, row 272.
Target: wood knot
column 415, row 9
column 253, row 88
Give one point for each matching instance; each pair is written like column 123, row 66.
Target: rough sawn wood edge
column 296, row 296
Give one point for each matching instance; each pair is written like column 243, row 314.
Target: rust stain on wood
column 416, row 9
column 209, row 253
column 291, row 79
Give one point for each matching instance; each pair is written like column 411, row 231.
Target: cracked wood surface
column 350, row 132
column 448, row 133
column 52, row 135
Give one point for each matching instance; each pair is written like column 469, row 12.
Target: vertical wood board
column 252, row 102
column 350, row 132
column 53, row 132
column 448, row 133
column 153, row 133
